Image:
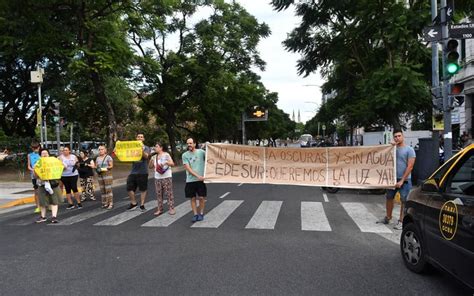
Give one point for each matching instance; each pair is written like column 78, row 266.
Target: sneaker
column 79, row 206
column 384, row 220
column 399, row 225
column 54, row 220
column 200, row 217
column 132, row 206
column 37, row 210
column 41, row 220
column 195, row 218
column 172, row 211
column 142, row 208
column 70, row 207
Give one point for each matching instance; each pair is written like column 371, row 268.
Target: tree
column 369, row 52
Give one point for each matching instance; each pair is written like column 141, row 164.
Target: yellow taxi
column 438, row 227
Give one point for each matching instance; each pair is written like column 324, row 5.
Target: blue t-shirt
column 141, row 167
column 403, row 154
column 196, row 160
column 34, row 157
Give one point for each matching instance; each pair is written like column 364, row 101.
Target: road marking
column 16, row 208
column 219, row 214
column 165, row 219
column 127, row 215
column 240, row 184
column 313, row 217
column 363, row 218
column 224, row 195
column 87, row 215
column 325, row 197
column 266, row 215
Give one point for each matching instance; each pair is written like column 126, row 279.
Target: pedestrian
column 103, row 166
column 86, row 174
column 195, row 189
column 138, row 177
column 33, row 158
column 405, row 158
column 162, row 163
column 49, row 195
column 69, row 177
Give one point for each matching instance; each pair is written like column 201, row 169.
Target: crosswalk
column 313, row 216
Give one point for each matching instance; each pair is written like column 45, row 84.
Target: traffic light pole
column 243, row 129
column 434, row 64
column 447, row 134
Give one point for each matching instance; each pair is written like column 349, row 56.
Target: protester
column 162, row 163
column 33, row 157
column 86, row 174
column 69, row 177
column 405, row 158
column 103, row 166
column 49, row 195
column 193, row 161
column 138, row 177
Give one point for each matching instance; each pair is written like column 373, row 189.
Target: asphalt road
column 256, row 240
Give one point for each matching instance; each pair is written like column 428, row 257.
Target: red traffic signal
column 456, row 89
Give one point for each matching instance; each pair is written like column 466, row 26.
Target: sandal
column 110, row 207
column 157, row 213
column 171, row 211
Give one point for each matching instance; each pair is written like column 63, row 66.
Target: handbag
column 99, row 169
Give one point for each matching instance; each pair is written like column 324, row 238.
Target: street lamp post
column 37, row 78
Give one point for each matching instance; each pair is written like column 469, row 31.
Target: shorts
column 404, row 191
column 70, row 184
column 35, row 185
column 139, row 181
column 46, row 199
column 194, row 189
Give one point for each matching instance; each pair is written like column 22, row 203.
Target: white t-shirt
column 161, row 162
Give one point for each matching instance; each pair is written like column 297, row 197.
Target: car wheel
column 331, row 189
column 412, row 248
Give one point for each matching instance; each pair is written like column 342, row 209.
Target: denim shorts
column 404, row 190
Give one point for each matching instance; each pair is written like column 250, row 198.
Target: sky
column 280, row 75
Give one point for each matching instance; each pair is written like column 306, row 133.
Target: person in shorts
column 49, row 195
column 33, row 158
column 405, row 158
column 138, row 178
column 195, row 189
column 70, row 177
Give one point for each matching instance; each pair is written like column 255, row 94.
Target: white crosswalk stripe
column 219, row 214
column 266, row 215
column 363, row 218
column 125, row 216
column 165, row 220
column 87, row 215
column 313, row 217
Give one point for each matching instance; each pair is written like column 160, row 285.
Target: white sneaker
column 398, row 226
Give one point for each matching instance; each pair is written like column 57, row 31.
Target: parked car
column 438, row 227
column 306, row 140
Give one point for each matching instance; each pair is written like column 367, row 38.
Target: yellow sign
column 49, row 168
column 129, row 151
column 350, row 167
column 448, row 220
column 438, row 121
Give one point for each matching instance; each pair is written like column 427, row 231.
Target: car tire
column 331, row 189
column 412, row 249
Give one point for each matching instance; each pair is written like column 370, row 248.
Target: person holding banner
column 162, row 163
column 103, row 166
column 69, row 177
column 33, row 157
column 405, row 158
column 49, row 194
column 138, row 178
column 194, row 161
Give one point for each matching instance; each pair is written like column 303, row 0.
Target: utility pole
column 435, row 65
column 37, row 78
column 447, row 133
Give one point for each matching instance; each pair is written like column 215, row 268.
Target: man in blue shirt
column 33, row 158
column 405, row 161
column 138, row 177
column 194, row 161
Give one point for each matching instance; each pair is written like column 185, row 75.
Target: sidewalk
column 21, row 193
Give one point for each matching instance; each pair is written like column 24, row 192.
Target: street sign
column 461, row 31
column 432, row 33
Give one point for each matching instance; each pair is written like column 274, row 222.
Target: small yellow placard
column 129, row 151
column 49, row 168
column 448, row 220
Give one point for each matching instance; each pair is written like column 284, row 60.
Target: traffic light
column 55, row 113
column 452, row 57
column 457, row 92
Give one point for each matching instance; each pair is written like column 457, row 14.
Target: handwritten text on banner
column 353, row 167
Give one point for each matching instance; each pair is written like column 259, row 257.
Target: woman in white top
column 162, row 163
